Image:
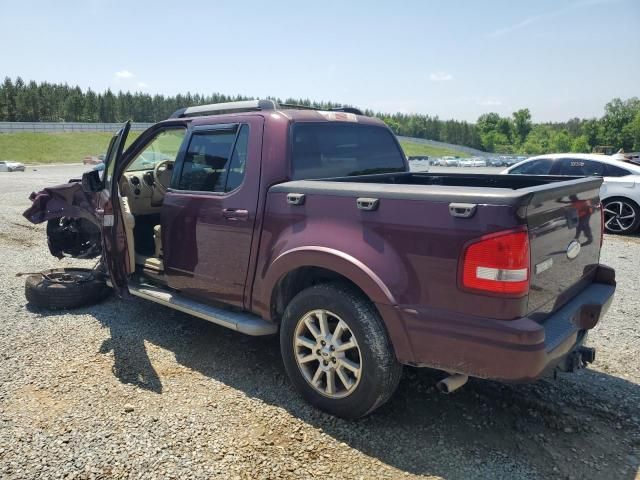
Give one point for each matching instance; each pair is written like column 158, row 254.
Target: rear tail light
column 498, row 263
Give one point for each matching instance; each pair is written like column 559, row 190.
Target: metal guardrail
column 59, row 127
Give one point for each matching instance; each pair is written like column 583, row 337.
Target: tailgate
column 565, row 225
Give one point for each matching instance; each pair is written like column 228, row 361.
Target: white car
column 451, row 161
column 11, row 166
column 620, row 190
column 478, row 162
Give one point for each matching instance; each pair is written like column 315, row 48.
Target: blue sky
column 454, row 59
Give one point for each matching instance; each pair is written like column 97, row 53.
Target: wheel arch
column 300, row 268
column 620, row 197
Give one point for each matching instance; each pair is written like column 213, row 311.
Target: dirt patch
column 15, row 238
column 43, row 407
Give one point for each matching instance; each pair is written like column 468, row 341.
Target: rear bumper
column 518, row 350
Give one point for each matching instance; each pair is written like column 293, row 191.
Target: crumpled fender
column 66, row 200
column 73, row 228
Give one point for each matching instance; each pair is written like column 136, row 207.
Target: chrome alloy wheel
column 619, row 216
column 327, row 354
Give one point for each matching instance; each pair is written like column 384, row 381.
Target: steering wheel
column 160, row 171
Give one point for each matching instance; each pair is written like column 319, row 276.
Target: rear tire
column 353, row 344
column 63, row 288
column 621, row 215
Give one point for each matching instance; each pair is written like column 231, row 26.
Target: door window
column 580, row 168
column 215, row 160
column 615, row 171
column 534, row 167
column 164, row 146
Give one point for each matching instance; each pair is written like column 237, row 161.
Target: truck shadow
column 584, row 425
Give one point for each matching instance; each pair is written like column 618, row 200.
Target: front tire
column 621, row 215
column 336, row 351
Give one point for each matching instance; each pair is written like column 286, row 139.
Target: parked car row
column 451, row 161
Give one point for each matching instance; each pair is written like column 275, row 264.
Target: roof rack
column 295, row 106
column 248, row 106
column 228, row 107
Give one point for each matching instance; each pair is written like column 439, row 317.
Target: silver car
column 6, row 166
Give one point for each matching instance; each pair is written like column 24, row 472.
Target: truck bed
column 415, row 234
column 447, row 187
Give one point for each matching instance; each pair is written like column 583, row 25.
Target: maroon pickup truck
column 263, row 218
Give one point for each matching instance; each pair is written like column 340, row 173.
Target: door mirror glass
column 91, row 181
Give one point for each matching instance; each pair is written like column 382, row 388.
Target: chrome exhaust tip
column 452, row 383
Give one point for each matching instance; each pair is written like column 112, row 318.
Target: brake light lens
column 498, row 263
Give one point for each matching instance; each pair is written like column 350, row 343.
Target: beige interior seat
column 153, row 263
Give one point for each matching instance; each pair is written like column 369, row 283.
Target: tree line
column 619, row 127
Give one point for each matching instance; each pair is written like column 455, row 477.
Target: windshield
column 164, row 146
column 323, row 150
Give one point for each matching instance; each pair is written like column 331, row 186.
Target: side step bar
column 242, row 322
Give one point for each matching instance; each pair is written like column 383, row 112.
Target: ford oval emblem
column 573, row 249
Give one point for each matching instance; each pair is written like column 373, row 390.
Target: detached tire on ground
column 336, row 351
column 63, row 288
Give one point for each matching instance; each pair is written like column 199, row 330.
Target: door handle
column 235, row 214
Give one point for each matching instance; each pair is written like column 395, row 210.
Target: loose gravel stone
column 130, row 389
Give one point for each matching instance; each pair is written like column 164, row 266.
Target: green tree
column 74, row 106
column 633, row 131
column 618, row 114
column 538, row 140
column 619, row 126
column 392, row 123
column 494, row 141
column 522, row 124
column 593, row 131
column 8, row 101
column 107, row 107
column 561, row 142
column 90, row 107
column 487, row 122
column 580, row 144
column 504, row 127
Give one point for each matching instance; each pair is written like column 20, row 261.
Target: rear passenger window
column 580, row 168
column 215, row 160
column 534, row 167
column 326, row 149
column 614, row 171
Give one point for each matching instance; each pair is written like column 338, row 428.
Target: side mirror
column 91, row 181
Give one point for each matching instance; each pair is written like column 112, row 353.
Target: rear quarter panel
column 412, row 247
column 626, row 187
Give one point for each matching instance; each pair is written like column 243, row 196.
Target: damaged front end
column 73, row 228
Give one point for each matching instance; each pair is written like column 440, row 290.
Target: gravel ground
column 129, row 389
